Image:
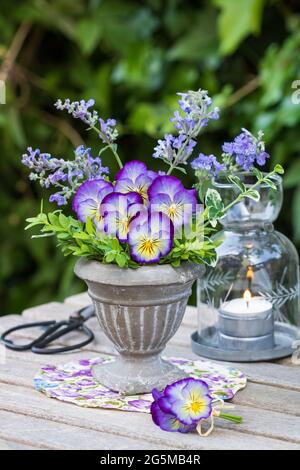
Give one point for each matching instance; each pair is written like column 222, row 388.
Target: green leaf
column 237, row 19
column 115, row 245
column 237, row 182
column 259, row 175
column 63, row 236
column 89, row 226
column 81, row 236
column 253, row 194
column 176, row 263
column 53, row 218
column 199, row 40
column 110, row 257
column 121, row 260
column 214, row 204
column 63, row 220
column 88, row 33
column 270, row 183
column 279, row 169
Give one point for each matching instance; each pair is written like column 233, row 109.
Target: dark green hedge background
column 132, row 57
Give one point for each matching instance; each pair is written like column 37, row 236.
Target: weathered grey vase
column 139, row 310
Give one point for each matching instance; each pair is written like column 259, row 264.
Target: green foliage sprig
column 215, row 208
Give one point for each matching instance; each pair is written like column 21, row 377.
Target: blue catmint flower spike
column 79, row 110
column 246, row 150
column 66, row 175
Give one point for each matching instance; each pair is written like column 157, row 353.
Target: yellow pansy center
column 195, row 404
column 123, row 225
column 148, row 246
column 141, row 190
column 173, row 210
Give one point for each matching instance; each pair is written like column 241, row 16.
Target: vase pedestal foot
column 132, row 375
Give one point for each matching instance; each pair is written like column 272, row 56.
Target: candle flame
column 247, row 296
column 250, row 273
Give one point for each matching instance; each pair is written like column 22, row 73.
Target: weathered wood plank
column 264, row 373
column 263, row 406
column 28, row 430
column 120, row 425
column 12, row 445
column 20, row 371
column 257, row 421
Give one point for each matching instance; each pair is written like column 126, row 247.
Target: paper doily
column 73, row 382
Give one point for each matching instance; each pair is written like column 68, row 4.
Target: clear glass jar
column 253, row 259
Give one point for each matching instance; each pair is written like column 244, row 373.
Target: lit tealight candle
column 246, row 323
column 247, row 305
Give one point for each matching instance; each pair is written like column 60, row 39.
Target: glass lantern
column 248, row 304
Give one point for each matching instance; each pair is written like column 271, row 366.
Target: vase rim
column 165, row 274
column 218, row 184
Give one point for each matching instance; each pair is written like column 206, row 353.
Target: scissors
column 52, row 331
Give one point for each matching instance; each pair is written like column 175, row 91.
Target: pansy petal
column 87, row 208
column 188, row 399
column 188, row 196
column 167, row 194
column 152, row 175
column 156, row 394
column 150, row 237
column 165, row 185
column 166, row 421
column 90, row 190
column 134, row 176
column 118, row 210
column 132, row 170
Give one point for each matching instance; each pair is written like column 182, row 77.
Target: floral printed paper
column 74, row 383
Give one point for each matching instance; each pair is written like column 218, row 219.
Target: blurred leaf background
column 132, row 57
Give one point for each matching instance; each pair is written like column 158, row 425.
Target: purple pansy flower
column 135, row 177
column 181, row 405
column 167, row 194
column 150, row 237
column 87, row 200
column 167, row 421
column 118, row 210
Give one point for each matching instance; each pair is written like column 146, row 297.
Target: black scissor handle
column 40, row 349
column 53, row 331
column 25, row 347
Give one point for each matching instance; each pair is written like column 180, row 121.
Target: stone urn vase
column 139, row 310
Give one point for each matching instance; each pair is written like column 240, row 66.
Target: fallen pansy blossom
column 185, row 405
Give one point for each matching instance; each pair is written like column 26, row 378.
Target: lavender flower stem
column 174, row 164
column 111, row 147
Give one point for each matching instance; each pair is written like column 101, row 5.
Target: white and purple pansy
column 118, row 210
column 167, row 194
column 135, row 177
column 87, row 200
column 168, row 422
column 150, row 237
column 181, row 405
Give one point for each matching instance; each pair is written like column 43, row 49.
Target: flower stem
column 242, row 195
column 111, row 146
column 233, row 418
column 117, row 157
column 174, row 164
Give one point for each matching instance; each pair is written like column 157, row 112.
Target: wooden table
column 270, row 404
